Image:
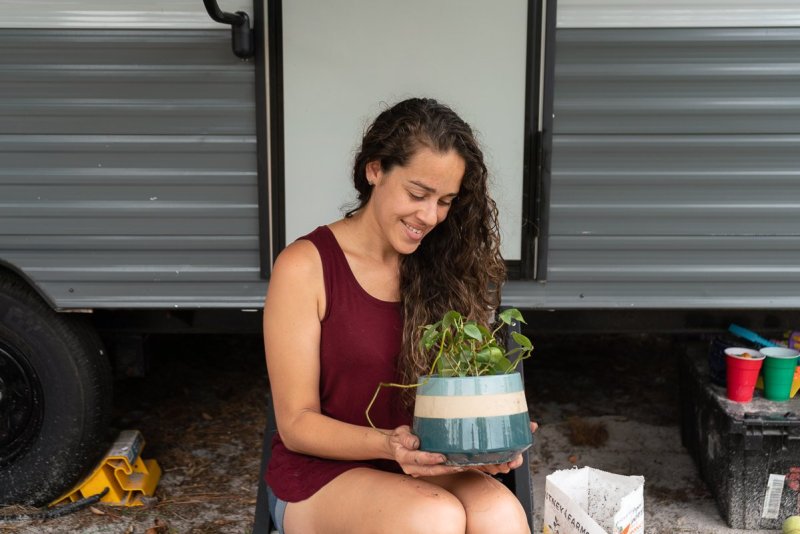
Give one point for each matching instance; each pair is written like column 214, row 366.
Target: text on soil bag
column 572, row 520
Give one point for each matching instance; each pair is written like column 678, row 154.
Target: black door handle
column 241, row 34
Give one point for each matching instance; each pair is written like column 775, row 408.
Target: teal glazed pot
column 473, row 420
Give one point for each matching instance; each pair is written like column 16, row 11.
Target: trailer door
column 345, row 61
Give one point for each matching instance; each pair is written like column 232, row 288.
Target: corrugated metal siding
column 128, row 174
column 105, row 14
column 676, row 170
column 677, row 13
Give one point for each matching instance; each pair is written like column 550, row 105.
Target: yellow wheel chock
column 126, row 475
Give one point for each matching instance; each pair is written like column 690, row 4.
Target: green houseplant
column 471, row 407
column 467, row 348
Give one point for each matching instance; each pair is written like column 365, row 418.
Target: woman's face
column 409, row 201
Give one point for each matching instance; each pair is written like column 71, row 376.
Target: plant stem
column 375, row 396
column 382, row 385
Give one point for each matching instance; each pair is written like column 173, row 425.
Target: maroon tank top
column 359, row 345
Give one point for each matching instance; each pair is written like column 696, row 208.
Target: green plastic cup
column 778, row 371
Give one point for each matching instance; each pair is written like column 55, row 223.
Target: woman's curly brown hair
column 458, row 265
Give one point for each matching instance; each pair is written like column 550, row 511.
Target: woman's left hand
column 494, row 469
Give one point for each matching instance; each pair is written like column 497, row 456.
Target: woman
column 344, row 300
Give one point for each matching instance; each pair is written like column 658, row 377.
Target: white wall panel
column 345, row 61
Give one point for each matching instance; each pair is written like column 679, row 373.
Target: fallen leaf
column 96, row 511
column 159, row 527
column 573, row 459
column 206, row 416
column 582, row 432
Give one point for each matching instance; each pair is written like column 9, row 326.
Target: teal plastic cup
column 778, row 372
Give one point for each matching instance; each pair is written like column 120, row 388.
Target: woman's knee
column 439, row 512
column 502, row 513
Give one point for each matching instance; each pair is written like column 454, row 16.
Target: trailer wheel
column 55, row 398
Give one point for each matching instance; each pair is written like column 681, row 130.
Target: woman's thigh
column 489, row 505
column 366, row 500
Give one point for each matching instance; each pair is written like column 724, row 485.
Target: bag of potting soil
column 591, row 501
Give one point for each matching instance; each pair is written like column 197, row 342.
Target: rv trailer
column 155, row 158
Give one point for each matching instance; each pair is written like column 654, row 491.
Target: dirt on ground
column 610, row 402
column 201, row 410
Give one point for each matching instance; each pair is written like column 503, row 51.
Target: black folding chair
column 519, row 480
column 263, row 522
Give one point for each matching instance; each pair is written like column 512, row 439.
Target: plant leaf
column 429, row 337
column 501, row 366
column 450, row 318
column 511, row 313
column 522, row 340
column 495, row 354
column 472, row 330
column 487, row 334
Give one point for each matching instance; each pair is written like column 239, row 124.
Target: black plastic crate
column 747, row 453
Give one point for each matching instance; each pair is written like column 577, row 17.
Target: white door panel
column 345, row 61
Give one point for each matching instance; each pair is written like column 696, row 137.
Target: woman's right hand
column 404, row 449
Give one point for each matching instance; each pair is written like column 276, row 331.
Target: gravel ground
column 610, row 402
column 201, row 411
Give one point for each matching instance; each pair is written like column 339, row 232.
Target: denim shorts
column 277, row 508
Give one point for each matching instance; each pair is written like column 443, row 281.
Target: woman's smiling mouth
column 415, row 231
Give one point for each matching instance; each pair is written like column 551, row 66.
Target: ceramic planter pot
column 473, row 420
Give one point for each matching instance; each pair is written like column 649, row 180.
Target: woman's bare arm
column 294, row 305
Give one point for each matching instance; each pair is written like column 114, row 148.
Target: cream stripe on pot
column 459, row 407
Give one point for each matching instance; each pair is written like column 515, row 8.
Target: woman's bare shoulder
column 302, row 255
column 296, row 278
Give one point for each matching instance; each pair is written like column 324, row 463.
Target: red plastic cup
column 742, row 368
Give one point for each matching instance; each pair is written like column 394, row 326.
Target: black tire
column 55, row 397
